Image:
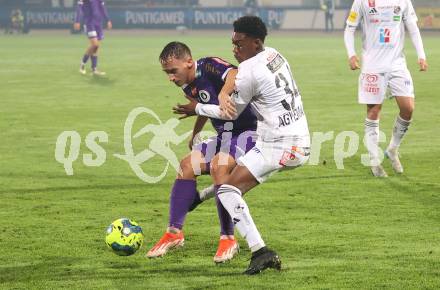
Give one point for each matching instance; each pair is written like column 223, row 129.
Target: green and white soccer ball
column 124, row 237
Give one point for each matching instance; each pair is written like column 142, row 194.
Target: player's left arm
column 195, row 108
column 410, row 20
column 198, row 126
column 106, row 17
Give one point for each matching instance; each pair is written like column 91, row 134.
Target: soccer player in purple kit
column 93, row 13
column 202, row 81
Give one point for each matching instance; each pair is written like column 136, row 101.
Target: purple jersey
column 210, row 77
column 92, row 12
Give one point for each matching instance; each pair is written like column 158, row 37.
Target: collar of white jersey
column 258, row 55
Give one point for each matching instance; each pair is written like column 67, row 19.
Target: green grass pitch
column 333, row 228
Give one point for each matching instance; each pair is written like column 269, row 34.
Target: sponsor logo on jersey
column 271, row 56
column 353, row 16
column 397, row 9
column 396, row 18
column 371, row 78
column 211, row 69
column 385, row 35
column 276, row 63
column 385, row 7
column 370, row 84
column 386, row 14
column 373, row 11
column 371, row 3
column 204, row 96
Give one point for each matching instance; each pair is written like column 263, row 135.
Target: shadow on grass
column 74, row 268
column 50, row 268
column 102, row 81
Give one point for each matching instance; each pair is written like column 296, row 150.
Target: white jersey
column 266, row 82
column 383, row 32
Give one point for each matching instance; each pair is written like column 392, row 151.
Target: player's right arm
column 79, row 15
column 225, row 102
column 104, row 12
column 352, row 22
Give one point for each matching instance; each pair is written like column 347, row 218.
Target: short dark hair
column 174, row 49
column 252, row 26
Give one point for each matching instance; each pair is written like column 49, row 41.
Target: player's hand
column 109, row 25
column 76, row 26
column 229, row 114
column 227, row 106
column 354, row 63
column 186, row 110
column 423, row 64
column 225, row 102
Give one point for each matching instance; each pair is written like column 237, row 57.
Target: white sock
column 207, row 193
column 399, row 130
column 232, row 201
column 372, row 140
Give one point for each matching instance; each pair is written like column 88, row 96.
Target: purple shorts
column 94, row 30
column 236, row 146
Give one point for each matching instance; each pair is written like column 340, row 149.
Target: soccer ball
column 124, row 237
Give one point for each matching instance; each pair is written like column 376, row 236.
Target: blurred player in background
column 92, row 13
column 202, row 81
column 265, row 82
column 328, row 6
column 384, row 67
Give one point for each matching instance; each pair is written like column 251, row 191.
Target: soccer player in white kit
column 384, row 67
column 264, row 81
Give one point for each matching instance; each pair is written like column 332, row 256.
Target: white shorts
column 267, row 158
column 373, row 86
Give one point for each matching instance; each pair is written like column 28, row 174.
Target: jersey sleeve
column 215, row 68
column 416, row 38
column 355, row 15
column 409, row 14
column 244, row 87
